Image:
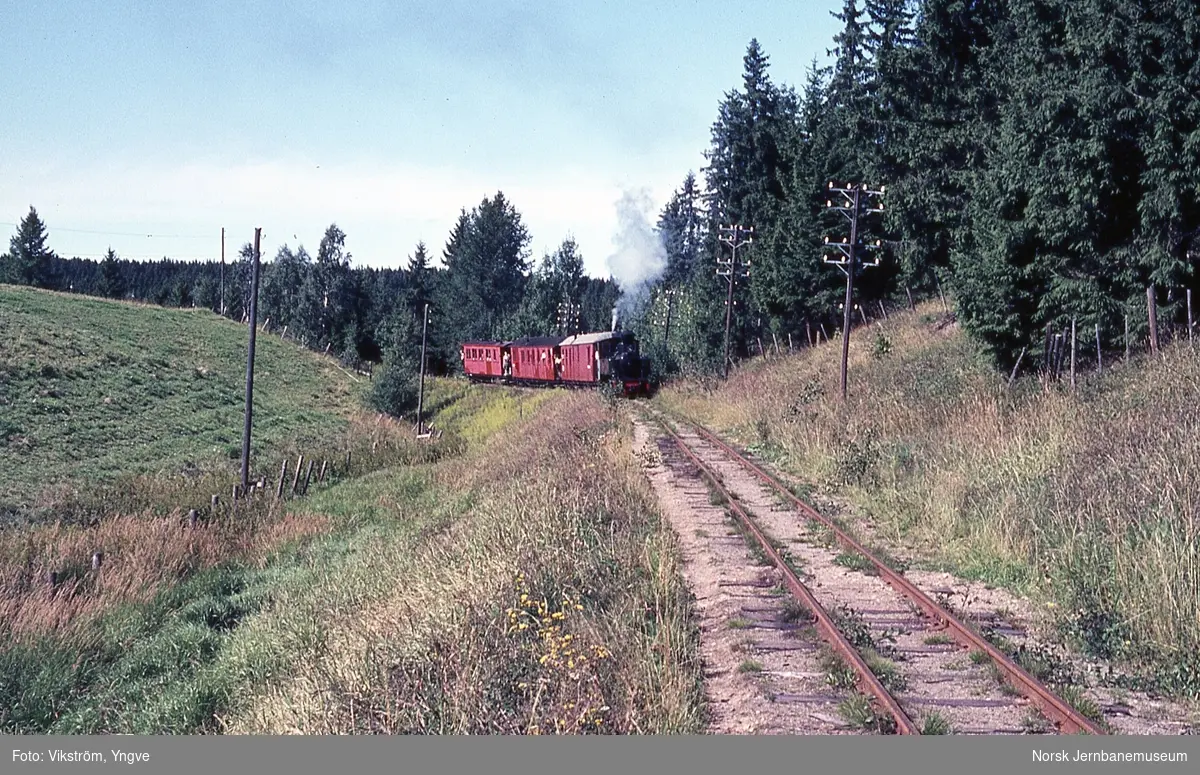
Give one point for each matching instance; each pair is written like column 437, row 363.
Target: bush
column 394, row 390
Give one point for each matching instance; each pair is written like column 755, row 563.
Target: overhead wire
column 121, row 233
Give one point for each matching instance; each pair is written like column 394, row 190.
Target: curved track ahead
column 1053, row 707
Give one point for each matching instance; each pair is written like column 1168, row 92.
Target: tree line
column 1040, row 159
column 488, row 287
column 1039, row 156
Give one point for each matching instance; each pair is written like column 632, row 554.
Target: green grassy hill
column 92, row 390
column 1086, row 501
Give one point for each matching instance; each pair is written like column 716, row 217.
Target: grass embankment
column 1088, row 502
column 96, row 392
column 530, row 587
column 512, row 576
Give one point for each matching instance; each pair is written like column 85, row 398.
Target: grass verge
column 1084, row 500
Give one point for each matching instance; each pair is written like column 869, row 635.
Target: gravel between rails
column 752, row 651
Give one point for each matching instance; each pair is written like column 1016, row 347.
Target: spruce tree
column 681, row 228
column 29, row 257
column 112, row 283
column 486, row 262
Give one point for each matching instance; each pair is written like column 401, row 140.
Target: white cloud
column 384, row 209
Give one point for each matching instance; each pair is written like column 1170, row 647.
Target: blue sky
column 148, row 126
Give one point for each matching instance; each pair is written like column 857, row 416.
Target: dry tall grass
column 1088, row 500
column 140, row 528
column 542, row 594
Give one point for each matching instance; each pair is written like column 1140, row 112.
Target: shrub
column 394, row 389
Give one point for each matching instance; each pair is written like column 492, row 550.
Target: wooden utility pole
column 670, row 305
column 221, row 298
column 735, row 236
column 846, row 256
column 421, row 389
column 1099, row 356
column 250, row 365
column 1152, row 310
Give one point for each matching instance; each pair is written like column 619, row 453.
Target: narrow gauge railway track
column 704, row 443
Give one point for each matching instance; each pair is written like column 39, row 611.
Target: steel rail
column 1050, row 704
column 867, row 680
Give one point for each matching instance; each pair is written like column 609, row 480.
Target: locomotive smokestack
column 615, row 321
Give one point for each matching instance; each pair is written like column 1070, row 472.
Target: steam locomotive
column 583, row 360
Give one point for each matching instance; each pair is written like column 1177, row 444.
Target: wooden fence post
column 98, row 558
column 1126, row 336
column 1099, row 356
column 911, row 306
column 308, row 476
column 1189, row 316
column 1016, row 366
column 1072, row 352
column 296, row 478
column 808, row 327
column 193, row 518
column 883, row 309
column 321, row 476
column 282, row 477
column 1046, row 362
column 1152, row 310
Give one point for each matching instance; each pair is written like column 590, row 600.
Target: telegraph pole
column 670, row 292
column 250, row 365
column 856, row 202
column 421, row 391
column 735, row 236
column 221, row 298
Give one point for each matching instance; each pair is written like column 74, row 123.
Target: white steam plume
column 639, row 258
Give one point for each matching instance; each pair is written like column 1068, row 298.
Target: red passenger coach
column 483, row 359
column 535, row 358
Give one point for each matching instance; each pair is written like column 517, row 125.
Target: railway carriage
column 483, row 360
column 535, row 358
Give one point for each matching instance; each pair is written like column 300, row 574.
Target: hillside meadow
column 511, row 574
column 94, row 391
